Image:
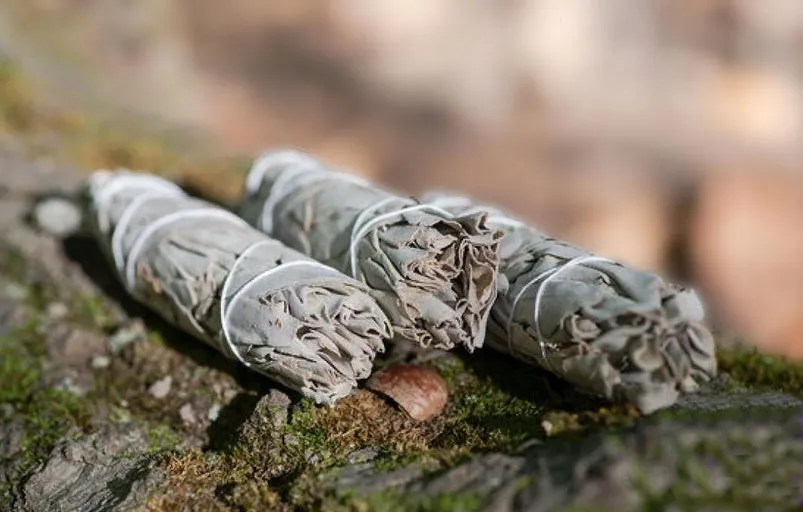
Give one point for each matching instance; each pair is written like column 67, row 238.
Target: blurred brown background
column 664, row 133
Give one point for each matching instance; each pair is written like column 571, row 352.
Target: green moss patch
column 45, row 414
column 42, row 414
column 760, row 370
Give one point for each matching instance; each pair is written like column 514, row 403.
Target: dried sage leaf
column 420, row 391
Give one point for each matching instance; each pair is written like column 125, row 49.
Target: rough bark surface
column 103, row 471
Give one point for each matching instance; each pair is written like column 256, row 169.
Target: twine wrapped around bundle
column 204, row 269
column 433, row 273
column 608, row 329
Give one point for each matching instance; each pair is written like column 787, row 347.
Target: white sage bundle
column 608, row 329
column 432, row 272
column 208, row 272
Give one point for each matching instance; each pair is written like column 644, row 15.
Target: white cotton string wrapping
column 606, row 328
column 227, row 299
column 301, row 171
column 365, row 223
column 433, row 273
column 298, row 321
column 544, row 279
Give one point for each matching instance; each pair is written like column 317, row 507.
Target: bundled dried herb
column 433, row 273
column 205, row 270
column 606, row 328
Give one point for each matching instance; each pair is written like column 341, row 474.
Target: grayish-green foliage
column 303, row 324
column 434, row 274
column 606, row 328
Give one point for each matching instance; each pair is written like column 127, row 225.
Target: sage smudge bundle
column 432, row 272
column 205, row 270
column 608, row 329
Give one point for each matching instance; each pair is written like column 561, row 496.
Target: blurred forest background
column 664, row 133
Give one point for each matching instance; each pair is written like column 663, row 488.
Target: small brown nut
column 419, row 391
